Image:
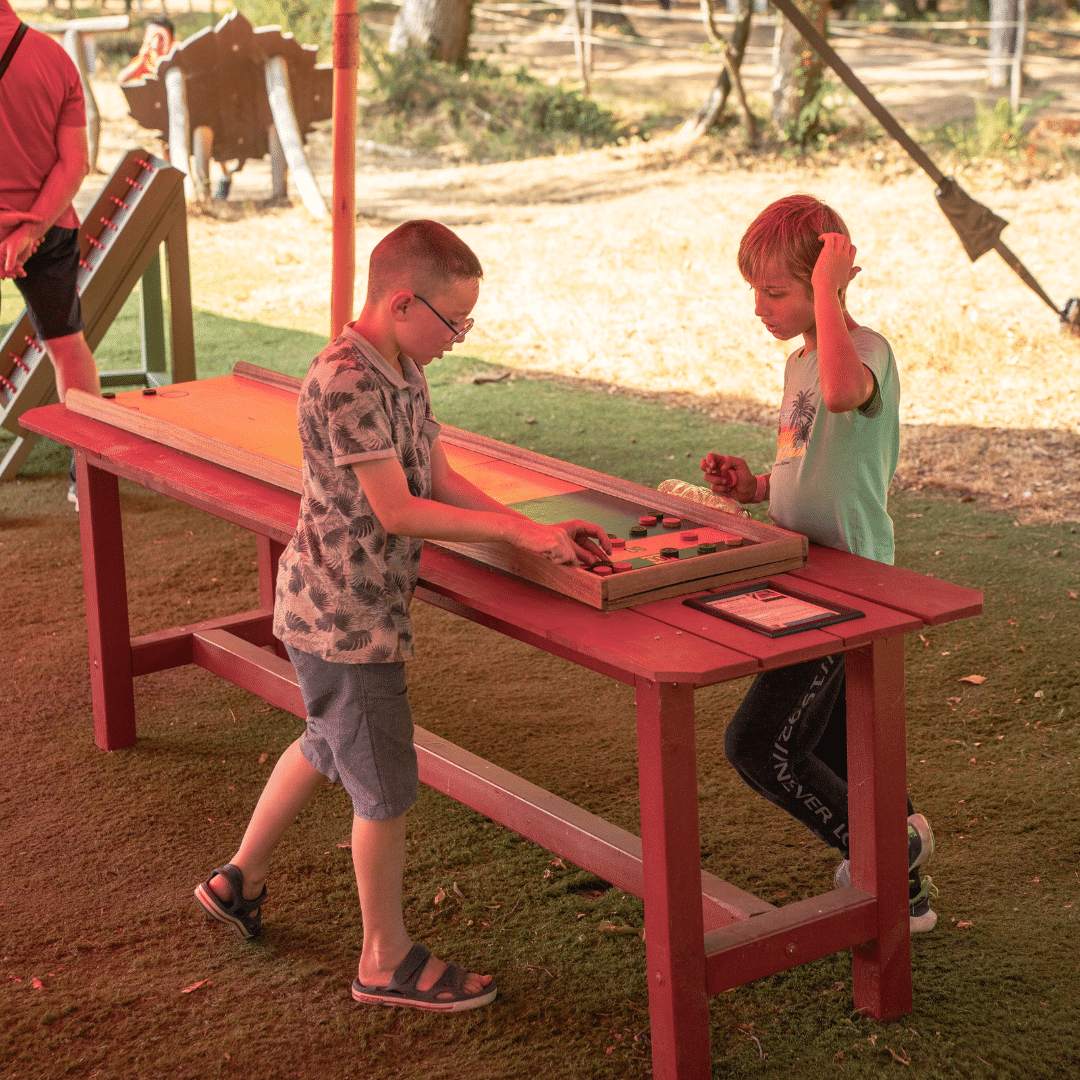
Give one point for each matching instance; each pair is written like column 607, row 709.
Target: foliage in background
column 819, row 121
column 994, row 132
column 311, row 22
column 483, row 112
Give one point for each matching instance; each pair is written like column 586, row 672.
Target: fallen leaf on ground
column 37, row 984
column 262, row 758
column 195, row 986
column 440, row 896
column 608, row 927
column 963, row 925
column 976, row 679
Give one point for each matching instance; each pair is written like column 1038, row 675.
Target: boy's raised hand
column 568, row 542
column 835, row 266
column 729, row 476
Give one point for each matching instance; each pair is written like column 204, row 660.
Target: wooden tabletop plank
column 252, row 504
column 767, row 652
column 624, row 639
column 877, row 621
column 929, row 599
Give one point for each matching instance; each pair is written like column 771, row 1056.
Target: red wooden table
column 703, row 935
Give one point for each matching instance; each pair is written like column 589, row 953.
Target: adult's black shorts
column 49, row 288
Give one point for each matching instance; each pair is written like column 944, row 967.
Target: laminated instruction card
column 772, row 609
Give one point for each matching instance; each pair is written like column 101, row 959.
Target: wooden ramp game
column 140, row 207
column 661, row 545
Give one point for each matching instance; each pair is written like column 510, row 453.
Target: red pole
column 346, row 62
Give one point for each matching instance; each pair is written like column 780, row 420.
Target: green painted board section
column 614, row 516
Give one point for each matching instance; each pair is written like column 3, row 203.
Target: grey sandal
column 446, row 995
column 244, row 916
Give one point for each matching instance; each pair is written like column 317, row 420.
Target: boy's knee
column 741, row 749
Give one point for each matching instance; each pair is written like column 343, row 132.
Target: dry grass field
column 618, row 266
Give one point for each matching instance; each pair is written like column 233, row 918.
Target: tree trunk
column 797, row 70
column 1002, row 41
column 712, row 108
column 605, row 20
column 437, row 28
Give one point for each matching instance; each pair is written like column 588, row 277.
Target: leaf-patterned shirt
column 344, row 584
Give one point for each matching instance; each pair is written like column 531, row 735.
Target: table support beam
column 785, row 938
column 105, row 586
column 674, row 930
column 877, row 811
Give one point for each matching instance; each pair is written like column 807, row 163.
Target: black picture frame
column 827, row 614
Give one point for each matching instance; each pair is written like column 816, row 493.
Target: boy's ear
column 853, row 271
column 398, row 304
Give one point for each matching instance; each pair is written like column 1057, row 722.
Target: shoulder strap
column 13, row 44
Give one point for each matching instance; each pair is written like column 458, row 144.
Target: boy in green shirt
column 839, row 438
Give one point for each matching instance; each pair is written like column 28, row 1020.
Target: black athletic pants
column 788, row 741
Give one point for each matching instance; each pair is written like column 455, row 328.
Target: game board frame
column 766, row 549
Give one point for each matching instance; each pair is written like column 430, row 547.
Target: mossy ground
column 108, row 968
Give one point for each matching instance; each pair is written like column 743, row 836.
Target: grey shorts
column 360, row 732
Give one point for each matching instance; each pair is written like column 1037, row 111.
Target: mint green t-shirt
column 832, row 473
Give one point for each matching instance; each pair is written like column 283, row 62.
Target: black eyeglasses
column 459, row 335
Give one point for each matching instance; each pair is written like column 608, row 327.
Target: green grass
column 110, row 929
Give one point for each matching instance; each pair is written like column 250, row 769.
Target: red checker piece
column 672, row 523
column 647, row 519
column 602, row 570
column 620, row 567
column 689, row 537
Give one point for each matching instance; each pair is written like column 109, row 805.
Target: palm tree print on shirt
column 793, row 430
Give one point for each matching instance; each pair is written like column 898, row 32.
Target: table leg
column 877, row 800
column 671, row 855
column 105, row 586
column 269, row 553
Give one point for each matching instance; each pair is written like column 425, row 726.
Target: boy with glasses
column 376, row 483
column 839, row 439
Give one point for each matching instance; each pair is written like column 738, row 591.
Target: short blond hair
column 421, row 256
column 785, row 235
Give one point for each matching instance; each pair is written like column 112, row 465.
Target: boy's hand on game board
column 576, row 542
column 729, row 476
column 591, row 541
column 835, row 265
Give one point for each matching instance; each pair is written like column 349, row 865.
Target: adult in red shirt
column 44, row 157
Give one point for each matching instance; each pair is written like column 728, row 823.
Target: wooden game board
column 247, row 422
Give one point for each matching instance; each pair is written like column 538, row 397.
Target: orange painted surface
column 236, row 411
column 508, row 483
column 262, row 420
